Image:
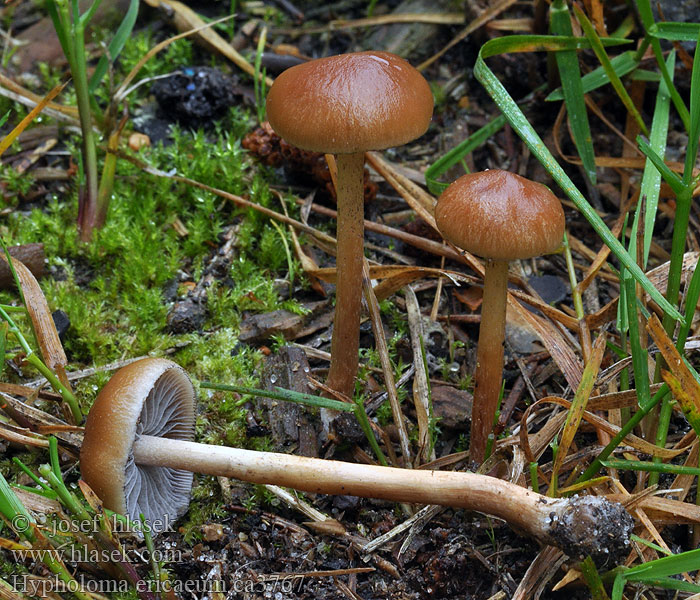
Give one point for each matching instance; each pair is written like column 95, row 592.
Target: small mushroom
column 137, row 456
column 501, row 217
column 346, row 105
column 151, row 397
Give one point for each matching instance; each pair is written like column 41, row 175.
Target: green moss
column 114, row 288
column 206, row 506
column 395, row 318
column 130, row 594
column 14, row 183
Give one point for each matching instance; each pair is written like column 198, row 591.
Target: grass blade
column 61, row 28
column 622, row 64
column 593, row 581
column 675, row 31
column 691, row 151
column 570, row 74
column 11, row 508
column 651, row 178
column 651, row 467
column 457, row 153
column 640, row 363
column 87, row 15
column 674, row 182
column 542, row 43
column 692, row 295
column 647, row 17
column 665, row 567
column 618, row 587
column 120, row 38
column 282, row 394
column 615, row 81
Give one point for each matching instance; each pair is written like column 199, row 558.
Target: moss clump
column 115, row 289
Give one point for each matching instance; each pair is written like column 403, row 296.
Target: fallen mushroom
column 501, row 217
column 137, row 456
column 346, row 105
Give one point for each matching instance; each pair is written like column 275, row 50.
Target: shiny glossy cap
column 499, row 215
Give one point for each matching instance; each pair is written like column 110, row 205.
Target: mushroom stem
column 549, row 520
column 489, row 357
column 345, row 342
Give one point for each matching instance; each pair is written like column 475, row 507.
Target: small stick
column 421, row 387
column 383, row 351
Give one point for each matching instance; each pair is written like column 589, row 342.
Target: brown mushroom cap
column 350, row 103
column 499, row 215
column 151, row 396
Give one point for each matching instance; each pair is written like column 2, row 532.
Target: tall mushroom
column 345, row 105
column 501, row 217
column 137, row 446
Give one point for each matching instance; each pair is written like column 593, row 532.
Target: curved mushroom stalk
column 119, row 437
column 580, row 526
